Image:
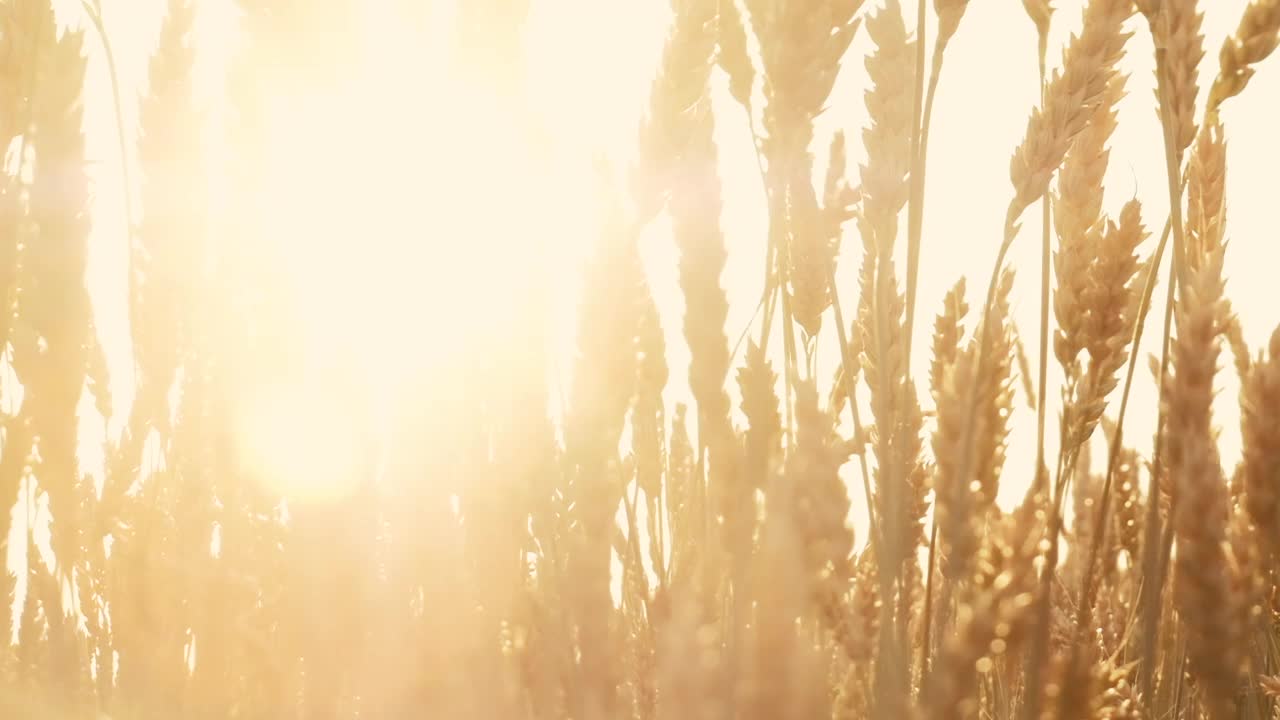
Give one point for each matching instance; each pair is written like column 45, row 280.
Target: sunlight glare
column 297, row 446
column 381, row 192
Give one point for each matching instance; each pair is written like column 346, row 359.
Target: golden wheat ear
column 1253, row 41
column 1260, row 431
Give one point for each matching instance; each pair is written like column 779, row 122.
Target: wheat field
column 542, row 360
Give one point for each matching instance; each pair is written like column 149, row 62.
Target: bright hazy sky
column 589, row 68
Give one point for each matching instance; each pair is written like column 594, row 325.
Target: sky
column 588, row 67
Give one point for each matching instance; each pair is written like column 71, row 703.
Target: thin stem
column 984, row 342
column 915, row 219
column 891, row 632
column 94, row 12
column 746, row 331
column 1150, row 622
column 915, row 216
column 928, row 604
column 767, row 297
column 983, row 350
column 887, row 673
column 1042, row 377
column 915, row 200
column 1117, row 438
column 1153, row 564
column 1040, row 640
column 788, row 356
column 851, row 389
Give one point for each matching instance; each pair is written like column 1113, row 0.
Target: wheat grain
column 1254, row 40
column 1201, row 512
column 1260, row 430
column 1179, row 39
column 1070, row 98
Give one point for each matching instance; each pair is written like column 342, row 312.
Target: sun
column 403, row 196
